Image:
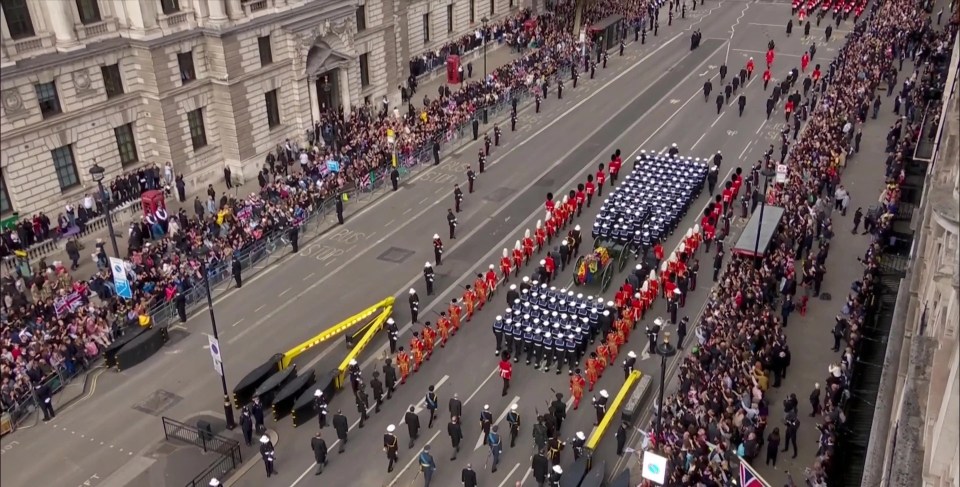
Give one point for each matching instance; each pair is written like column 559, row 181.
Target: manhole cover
column 176, row 335
column 158, row 402
column 396, row 255
column 499, row 194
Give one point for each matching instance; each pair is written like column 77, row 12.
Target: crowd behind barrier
column 54, row 324
column 720, row 412
column 929, row 51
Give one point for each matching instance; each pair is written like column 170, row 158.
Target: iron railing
column 228, row 451
column 220, row 468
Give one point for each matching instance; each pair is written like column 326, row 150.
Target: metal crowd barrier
column 119, row 215
column 29, row 403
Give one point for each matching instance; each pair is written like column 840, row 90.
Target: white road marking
column 259, row 308
column 407, row 211
column 285, row 291
column 422, row 404
column 777, row 54
column 509, row 474
column 715, row 121
column 355, row 423
column 307, row 277
column 237, row 323
column 745, row 149
column 497, row 421
column 760, row 127
column 523, row 481
column 733, row 31
column 694, row 146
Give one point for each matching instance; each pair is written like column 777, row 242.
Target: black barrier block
column 303, row 407
column 110, row 353
column 283, row 400
column 574, row 473
column 273, row 384
column 141, row 348
column 595, row 477
column 243, row 392
column 631, row 407
column 622, row 480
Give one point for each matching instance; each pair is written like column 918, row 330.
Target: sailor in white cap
column 575, row 238
column 555, row 474
column 629, row 364
column 268, row 454
column 437, row 249
column 513, row 419
column 600, row 405
column 486, row 420
column 391, row 446
column 414, row 305
column 674, row 150
column 320, row 405
column 578, row 441
column 428, row 278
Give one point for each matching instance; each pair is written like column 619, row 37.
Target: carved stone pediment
column 343, row 30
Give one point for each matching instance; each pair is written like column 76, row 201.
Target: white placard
column 214, row 347
column 654, row 467
column 781, row 173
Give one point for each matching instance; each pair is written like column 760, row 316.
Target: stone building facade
column 200, row 83
column 917, row 427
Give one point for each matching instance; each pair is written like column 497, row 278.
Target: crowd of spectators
column 928, row 49
column 72, row 221
column 52, row 321
column 722, row 410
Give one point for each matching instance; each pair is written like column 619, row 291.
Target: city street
column 646, row 100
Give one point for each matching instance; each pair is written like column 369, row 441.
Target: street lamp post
column 666, row 350
column 484, row 21
column 97, row 173
column 767, row 173
column 227, row 407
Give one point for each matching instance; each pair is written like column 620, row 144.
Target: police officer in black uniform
column 320, row 406
column 414, row 301
column 389, row 376
column 452, row 223
column 457, row 197
column 496, row 135
column 471, row 177
column 395, row 178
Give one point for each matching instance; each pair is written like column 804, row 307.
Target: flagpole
column 753, row 471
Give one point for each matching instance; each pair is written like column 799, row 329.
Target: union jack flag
column 748, row 478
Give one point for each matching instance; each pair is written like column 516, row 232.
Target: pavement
column 648, row 99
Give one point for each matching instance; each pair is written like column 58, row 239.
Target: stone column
column 234, row 9
column 343, row 82
column 314, row 102
column 218, row 13
column 62, row 17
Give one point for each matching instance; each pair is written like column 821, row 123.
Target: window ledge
column 97, row 29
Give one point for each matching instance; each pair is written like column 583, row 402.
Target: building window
column 473, row 11
column 126, row 144
column 18, row 19
column 187, row 71
column 365, row 70
column 198, row 134
column 169, row 6
column 426, row 27
column 5, row 206
column 449, row 19
column 493, row 5
column 361, row 18
column 266, row 50
column 48, row 99
column 65, row 166
column 273, row 108
column 112, row 81
column 89, row 11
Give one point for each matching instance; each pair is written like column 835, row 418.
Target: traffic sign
column 654, row 467
column 120, row 283
column 214, row 347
